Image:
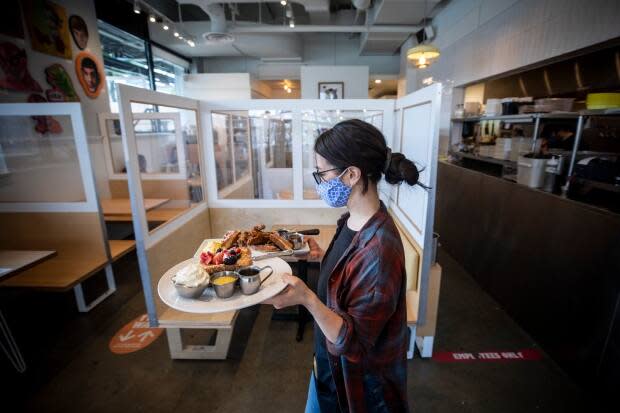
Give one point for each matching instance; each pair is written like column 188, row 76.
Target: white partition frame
column 422, row 106
column 107, row 145
column 295, row 106
column 73, row 110
column 144, row 238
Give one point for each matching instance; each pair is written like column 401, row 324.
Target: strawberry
column 218, row 258
column 206, row 258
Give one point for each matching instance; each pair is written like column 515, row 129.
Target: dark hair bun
column 401, row 169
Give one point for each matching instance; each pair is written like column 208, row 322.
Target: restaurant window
column 168, row 71
column 126, row 62
column 253, row 154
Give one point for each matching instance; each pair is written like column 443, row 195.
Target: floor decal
column 520, row 355
column 134, row 336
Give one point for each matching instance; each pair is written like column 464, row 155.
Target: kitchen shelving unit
column 536, row 119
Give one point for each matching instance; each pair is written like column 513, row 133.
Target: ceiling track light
column 291, row 23
column 136, row 7
column 152, row 18
column 283, row 2
column 165, row 26
column 176, row 34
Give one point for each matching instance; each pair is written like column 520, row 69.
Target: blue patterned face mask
column 334, row 192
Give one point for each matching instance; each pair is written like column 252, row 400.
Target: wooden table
column 12, row 262
column 323, row 239
column 122, row 206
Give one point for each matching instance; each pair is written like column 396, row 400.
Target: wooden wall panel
column 68, row 233
column 172, row 189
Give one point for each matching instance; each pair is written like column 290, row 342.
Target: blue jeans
column 312, row 404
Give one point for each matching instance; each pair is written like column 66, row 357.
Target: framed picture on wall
column 331, row 90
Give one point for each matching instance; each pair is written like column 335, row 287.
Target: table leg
column 9, row 346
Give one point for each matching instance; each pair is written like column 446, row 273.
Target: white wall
column 37, row 62
column 217, row 86
column 482, row 38
column 355, row 80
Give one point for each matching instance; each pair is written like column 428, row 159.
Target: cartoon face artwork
column 14, row 64
column 79, row 31
column 62, row 87
column 89, row 73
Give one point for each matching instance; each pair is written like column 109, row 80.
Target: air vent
column 218, row 38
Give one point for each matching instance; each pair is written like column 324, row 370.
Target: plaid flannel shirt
column 367, row 289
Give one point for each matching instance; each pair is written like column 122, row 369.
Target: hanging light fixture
column 136, row 7
column 423, row 54
column 291, row 23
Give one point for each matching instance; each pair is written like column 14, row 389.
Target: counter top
column 560, row 197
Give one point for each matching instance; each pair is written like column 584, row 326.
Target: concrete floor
column 71, row 369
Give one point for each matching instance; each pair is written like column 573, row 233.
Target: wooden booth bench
column 81, row 253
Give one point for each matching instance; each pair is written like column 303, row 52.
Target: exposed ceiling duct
column 387, row 24
column 218, row 32
column 361, row 4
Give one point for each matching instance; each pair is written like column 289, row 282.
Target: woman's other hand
column 316, row 252
column 296, row 292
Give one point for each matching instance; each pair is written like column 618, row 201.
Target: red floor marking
column 525, row 354
column 134, row 336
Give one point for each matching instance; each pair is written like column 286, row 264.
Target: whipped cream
column 192, row 275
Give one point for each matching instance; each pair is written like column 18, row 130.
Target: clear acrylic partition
column 39, row 160
column 253, row 153
column 261, row 152
column 163, row 152
column 313, row 123
column 159, row 137
column 168, row 158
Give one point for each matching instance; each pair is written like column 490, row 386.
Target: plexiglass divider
column 176, row 240
column 417, row 137
column 47, row 183
column 152, row 129
column 44, row 159
column 276, row 148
